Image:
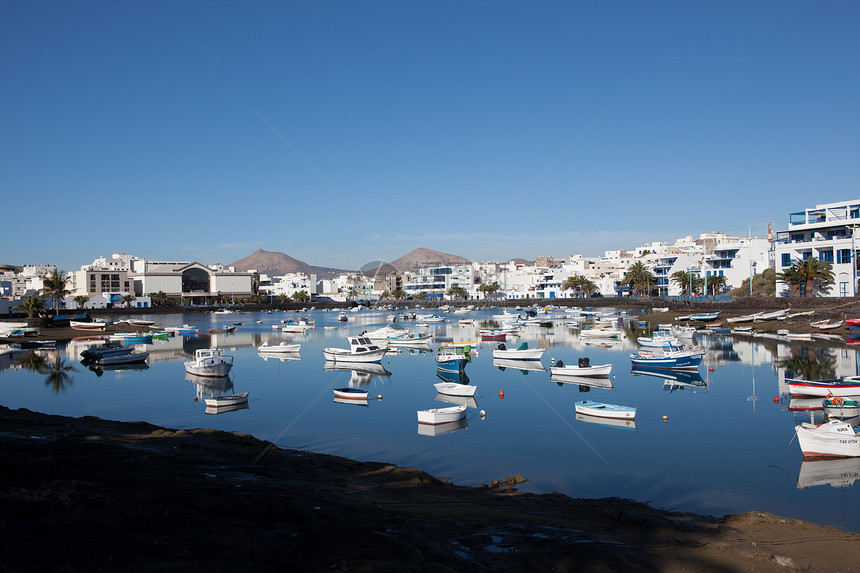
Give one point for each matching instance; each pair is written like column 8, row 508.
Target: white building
column 436, row 281
column 827, row 232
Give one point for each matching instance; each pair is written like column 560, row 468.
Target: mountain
column 274, row 264
column 418, row 259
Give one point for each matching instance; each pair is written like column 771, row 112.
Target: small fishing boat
column 350, row 393
column 130, row 358
column 453, row 359
column 582, row 368
column 705, row 316
column 521, row 353
column 603, row 410
column 137, row 338
column 93, row 326
column 831, row 439
column 226, row 401
column 841, row 387
column 743, row 318
column 678, row 359
column 454, row 389
column 660, row 339
column 410, row 339
column 283, row 347
column 435, row 416
column 361, row 349
column 342, row 317
column 775, row 315
column 826, row 324
column 224, row 329
column 209, row 363
column 839, row 407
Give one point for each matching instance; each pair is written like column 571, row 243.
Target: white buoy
column 482, row 414
column 379, row 397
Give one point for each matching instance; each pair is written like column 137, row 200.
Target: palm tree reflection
column 809, row 364
column 57, row 372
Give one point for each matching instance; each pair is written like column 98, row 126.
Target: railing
column 699, row 298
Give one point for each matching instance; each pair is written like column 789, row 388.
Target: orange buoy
column 776, row 399
column 711, row 369
column 501, row 394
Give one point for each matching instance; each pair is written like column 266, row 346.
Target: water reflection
column 675, row 379
column 440, row 429
column 836, row 473
column 360, row 374
column 209, row 387
column 607, row 422
column 808, row 363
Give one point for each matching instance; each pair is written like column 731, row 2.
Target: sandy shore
column 94, row 495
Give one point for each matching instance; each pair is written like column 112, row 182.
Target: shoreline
column 149, row 498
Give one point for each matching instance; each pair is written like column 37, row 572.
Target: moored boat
column 361, row 349
column 831, row 439
column 435, row 416
column 603, row 410
column 582, row 368
column 521, row 353
column 226, row 401
column 705, row 316
column 350, row 393
column 837, row 387
column 839, row 407
column 210, row 363
column 93, row 326
column 455, row 389
column 668, row 359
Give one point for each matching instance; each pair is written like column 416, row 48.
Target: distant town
column 814, row 255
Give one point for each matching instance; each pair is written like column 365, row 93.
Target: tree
column 128, row 299
column 82, row 299
column 398, row 294
column 640, row 279
column 421, row 296
column 715, row 283
column 54, row 286
column 816, row 273
column 457, row 291
column 32, row 306
column 490, row 289
column 158, row 298
column 58, row 375
column 684, row 280
column 301, row 296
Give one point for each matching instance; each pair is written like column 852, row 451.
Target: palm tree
column 127, row 299
column 490, row 289
column 82, row 299
column 456, row 291
column 158, row 298
column 421, row 296
column 54, row 286
column 573, row 283
column 588, row 287
column 640, row 279
column 301, row 296
column 715, row 283
column 816, row 274
column 398, row 294
column 33, row 306
column 32, row 362
column 682, row 279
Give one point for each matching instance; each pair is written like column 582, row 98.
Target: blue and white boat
column 674, row 359
column 660, row 339
column 453, row 359
column 602, row 410
column 705, row 316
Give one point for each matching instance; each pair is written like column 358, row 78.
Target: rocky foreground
column 85, row 494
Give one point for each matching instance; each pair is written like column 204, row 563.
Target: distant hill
column 275, row 263
column 418, row 259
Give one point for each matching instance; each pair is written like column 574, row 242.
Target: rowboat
column 841, row 387
column 705, row 316
column 350, row 393
column 454, row 389
column 668, row 359
column 96, row 326
column 224, row 401
column 775, row 315
column 831, row 439
column 743, row 318
column 130, row 358
column 602, row 410
column 826, row 324
column 839, row 407
column 361, row 350
column 521, row 353
column 209, row 363
column 410, row 339
column 583, row 368
column 278, row 348
column 435, row 416
column 225, row 329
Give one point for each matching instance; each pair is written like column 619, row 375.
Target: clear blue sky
column 487, row 129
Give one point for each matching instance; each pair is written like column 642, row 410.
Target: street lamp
column 752, row 274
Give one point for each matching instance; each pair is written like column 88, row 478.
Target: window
column 786, row 259
column 807, row 255
column 844, row 256
column 826, row 256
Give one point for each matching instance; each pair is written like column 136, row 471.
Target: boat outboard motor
column 583, row 362
column 502, row 347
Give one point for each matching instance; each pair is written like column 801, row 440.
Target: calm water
column 722, row 449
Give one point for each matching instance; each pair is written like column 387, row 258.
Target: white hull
column 600, row 333
column 454, row 389
column 599, row 370
column 441, row 415
column 342, row 355
column 211, row 371
column 833, row 439
column 224, row 401
column 513, row 354
column 282, row 347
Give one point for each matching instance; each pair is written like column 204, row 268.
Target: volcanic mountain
column 418, row 259
column 275, row 264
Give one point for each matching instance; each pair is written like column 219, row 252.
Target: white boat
column 342, row 317
column 826, row 324
column 432, row 318
column 350, row 393
column 839, row 407
column 705, row 316
column 843, row 387
column 603, row 410
column 521, row 353
column 583, row 368
column 600, row 333
column 775, row 315
column 226, row 401
column 282, row 347
column 209, row 362
column 411, row 339
column 93, row 326
column 361, row 349
column 798, row 336
column 743, row 318
column 300, row 325
column 678, row 359
column 435, row 416
column 454, row 389
column 831, row 439
column 660, row 339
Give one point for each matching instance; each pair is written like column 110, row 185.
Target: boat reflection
column 585, row 383
column 100, row 369
column 841, row 472
column 675, row 379
column 805, row 404
column 360, row 374
column 223, row 409
column 608, row 422
column 280, row 356
column 468, row 401
column 364, row 403
column 524, row 366
column 209, row 387
column 439, row 429
column 455, row 377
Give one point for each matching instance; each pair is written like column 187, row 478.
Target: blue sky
column 345, row 132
